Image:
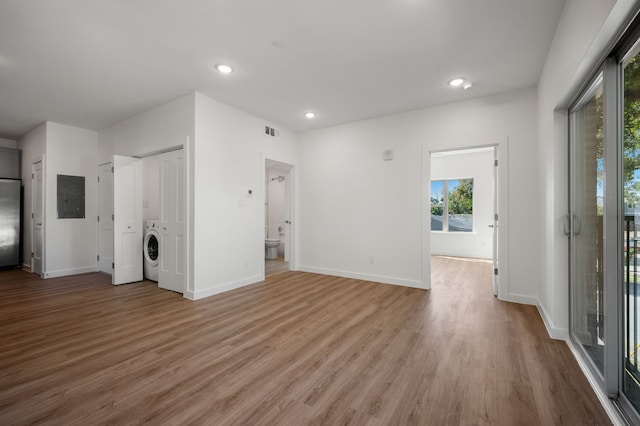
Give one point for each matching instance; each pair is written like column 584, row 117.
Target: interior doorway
column 463, row 207
column 278, row 213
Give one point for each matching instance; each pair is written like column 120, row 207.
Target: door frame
column 290, row 228
column 502, row 147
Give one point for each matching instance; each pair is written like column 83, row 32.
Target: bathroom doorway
column 278, row 211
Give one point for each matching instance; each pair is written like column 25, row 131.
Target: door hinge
column 495, row 271
column 111, row 169
column 33, row 215
column 113, row 265
column 98, row 218
column 98, row 179
column 32, row 254
column 98, row 258
column 496, row 216
column 112, row 218
column 495, row 163
column 33, row 176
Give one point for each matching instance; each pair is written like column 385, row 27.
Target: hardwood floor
column 296, row 349
column 275, row 266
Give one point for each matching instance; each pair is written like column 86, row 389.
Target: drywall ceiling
column 92, row 63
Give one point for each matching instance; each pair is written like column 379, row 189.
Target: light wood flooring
column 275, row 266
column 296, row 349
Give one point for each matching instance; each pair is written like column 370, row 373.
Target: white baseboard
column 521, row 299
column 200, row 294
column 554, row 332
column 67, row 272
column 365, row 277
column 469, row 255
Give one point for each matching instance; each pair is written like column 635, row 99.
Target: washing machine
column 151, row 248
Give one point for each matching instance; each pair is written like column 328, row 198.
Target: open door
column 105, row 218
column 172, row 217
column 288, row 215
column 127, row 220
column 37, row 218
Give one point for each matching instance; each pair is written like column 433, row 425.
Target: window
column 452, row 205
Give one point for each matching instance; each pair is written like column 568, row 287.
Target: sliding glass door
column 631, row 229
column 603, row 226
column 585, row 226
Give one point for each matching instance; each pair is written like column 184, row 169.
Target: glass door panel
column 586, row 226
column 631, row 230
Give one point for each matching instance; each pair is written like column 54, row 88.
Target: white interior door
column 288, row 215
column 127, row 220
column 37, row 218
column 172, row 218
column 105, row 218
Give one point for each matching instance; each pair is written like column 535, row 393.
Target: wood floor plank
column 298, row 348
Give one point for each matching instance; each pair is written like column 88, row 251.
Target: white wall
column 355, row 207
column 225, row 151
column 165, row 127
column 32, row 146
column 8, row 143
column 479, row 166
column 70, row 244
column 230, row 152
column 586, row 31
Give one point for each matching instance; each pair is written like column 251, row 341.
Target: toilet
column 270, row 245
column 271, row 248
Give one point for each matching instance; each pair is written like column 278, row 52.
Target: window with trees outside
column 452, row 205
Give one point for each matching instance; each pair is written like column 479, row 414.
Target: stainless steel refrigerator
column 9, row 222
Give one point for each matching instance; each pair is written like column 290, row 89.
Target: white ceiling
column 92, row 63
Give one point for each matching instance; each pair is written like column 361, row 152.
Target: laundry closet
column 141, row 222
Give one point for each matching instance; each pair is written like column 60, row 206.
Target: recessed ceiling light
column 224, row 69
column 310, row 114
column 455, row 82
column 467, row 85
